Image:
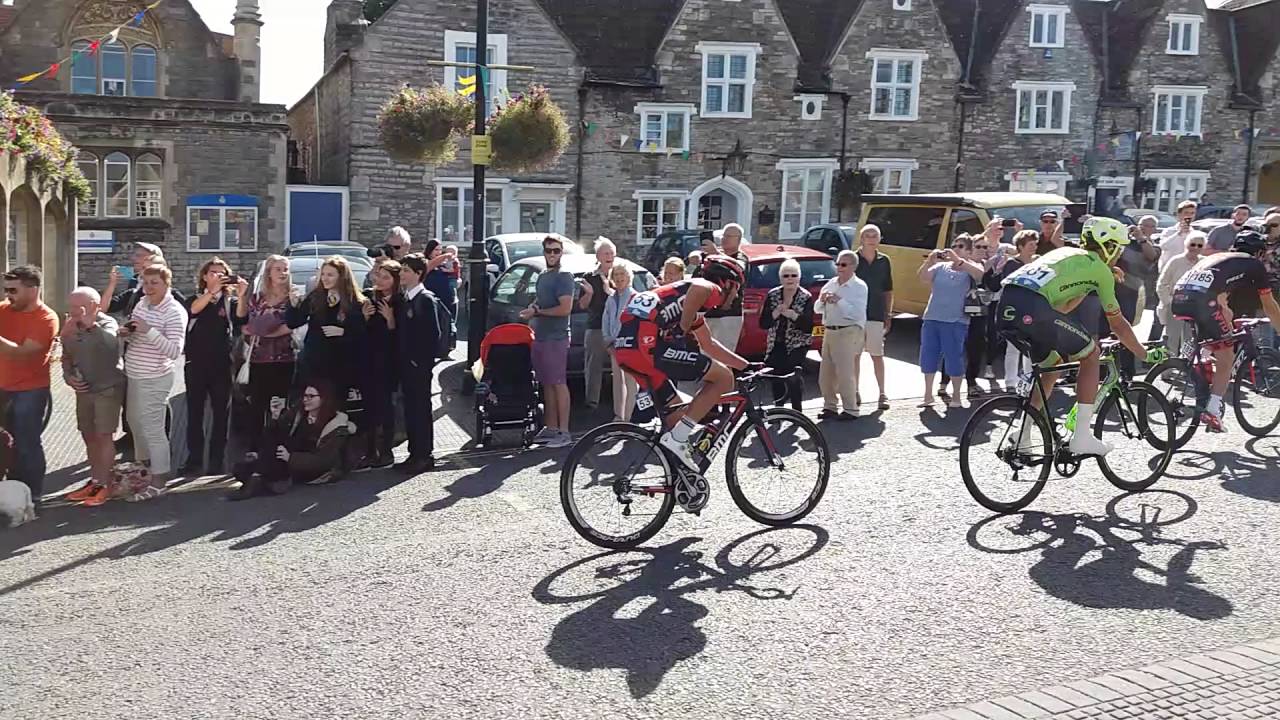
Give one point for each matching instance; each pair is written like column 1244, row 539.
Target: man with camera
column 394, row 246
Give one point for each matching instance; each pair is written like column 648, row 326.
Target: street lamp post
column 479, row 284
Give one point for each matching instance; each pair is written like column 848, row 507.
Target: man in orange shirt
column 27, row 329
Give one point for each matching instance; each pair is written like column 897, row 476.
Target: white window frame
column 1183, row 91
column 1045, row 11
column 1038, row 182
column 463, row 187
column 123, row 80
column 906, row 166
column 1169, row 180
column 661, row 197
column 1177, row 20
column 644, row 110
column 498, row 41
column 876, row 55
column 107, row 163
column 805, row 165
column 1067, row 88
column 148, row 195
column 222, row 229
column 95, row 185
column 901, row 5
column 751, row 51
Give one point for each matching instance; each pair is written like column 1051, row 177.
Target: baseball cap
column 1242, row 206
column 1049, row 214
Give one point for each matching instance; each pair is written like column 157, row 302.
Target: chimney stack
column 248, row 49
column 344, row 29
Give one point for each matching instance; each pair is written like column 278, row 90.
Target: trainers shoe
column 382, row 461
column 1211, row 422
column 680, row 450
column 562, row 439
column 1085, row 445
column 546, row 434
column 99, row 497
column 362, row 465
column 83, row 493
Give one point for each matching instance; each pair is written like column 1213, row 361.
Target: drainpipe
column 1248, row 159
column 844, row 144
column 1137, row 162
column 959, row 146
column 577, row 185
column 968, row 70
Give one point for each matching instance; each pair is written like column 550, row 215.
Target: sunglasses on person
column 1195, row 246
column 1048, row 221
column 11, row 291
column 843, row 264
column 552, row 251
column 796, row 275
column 981, row 247
column 311, row 396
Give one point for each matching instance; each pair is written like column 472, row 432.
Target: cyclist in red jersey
column 663, row 338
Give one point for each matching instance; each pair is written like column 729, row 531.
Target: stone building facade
column 172, row 136
column 696, row 113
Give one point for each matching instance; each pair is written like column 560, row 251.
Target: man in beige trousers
column 842, row 305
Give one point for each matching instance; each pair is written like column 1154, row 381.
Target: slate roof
column 1127, row 24
column 1256, row 42
column 817, row 26
column 616, row 39
column 994, row 19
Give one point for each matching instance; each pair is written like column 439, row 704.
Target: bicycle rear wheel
column 781, row 492
column 615, row 486
column 1255, row 393
column 1138, row 422
column 1186, row 390
column 1009, row 479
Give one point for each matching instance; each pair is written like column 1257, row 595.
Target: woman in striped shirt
column 154, row 337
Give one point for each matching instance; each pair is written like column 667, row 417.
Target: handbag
column 242, row 375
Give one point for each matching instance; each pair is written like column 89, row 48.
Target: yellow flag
column 29, row 78
column 468, row 86
column 470, row 80
column 467, row 91
column 153, row 5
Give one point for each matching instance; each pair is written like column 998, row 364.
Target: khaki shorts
column 99, row 413
column 875, row 338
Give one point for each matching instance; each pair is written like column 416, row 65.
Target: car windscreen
column 813, row 271
column 641, row 280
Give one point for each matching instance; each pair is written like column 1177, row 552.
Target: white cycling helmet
column 1109, row 234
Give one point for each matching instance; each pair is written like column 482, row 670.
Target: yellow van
column 913, row 225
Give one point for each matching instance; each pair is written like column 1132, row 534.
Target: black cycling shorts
column 681, row 359
column 1204, row 311
column 1027, row 315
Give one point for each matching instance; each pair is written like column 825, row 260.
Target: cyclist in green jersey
column 1034, row 307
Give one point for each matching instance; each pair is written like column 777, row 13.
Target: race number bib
column 644, row 400
column 1198, row 280
column 642, row 304
column 1034, row 278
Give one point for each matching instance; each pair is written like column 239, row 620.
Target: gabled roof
column 616, row 40
column 1126, row 26
column 818, row 26
column 1255, row 44
column 994, row 19
column 6, row 15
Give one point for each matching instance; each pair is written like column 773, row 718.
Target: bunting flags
column 109, row 38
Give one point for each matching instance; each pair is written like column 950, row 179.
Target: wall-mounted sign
column 95, row 242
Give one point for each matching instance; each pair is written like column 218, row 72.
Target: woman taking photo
column 269, row 341
column 305, row 448
column 624, row 385
column 950, row 275
column 335, row 327
column 208, row 365
column 438, row 279
column 789, row 314
column 379, row 310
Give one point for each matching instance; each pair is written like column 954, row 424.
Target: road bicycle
column 1133, row 415
column 1255, row 384
column 619, row 486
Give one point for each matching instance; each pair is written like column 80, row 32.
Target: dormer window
column 115, row 69
column 1048, row 23
column 1184, row 34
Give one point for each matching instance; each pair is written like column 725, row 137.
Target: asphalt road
column 465, row 593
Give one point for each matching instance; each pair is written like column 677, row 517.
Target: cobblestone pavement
column 1240, row 683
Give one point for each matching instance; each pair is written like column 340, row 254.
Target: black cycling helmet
column 721, row 269
column 1249, row 242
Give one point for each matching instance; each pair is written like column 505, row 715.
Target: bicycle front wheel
column 1256, row 393
column 777, row 471
column 615, row 486
column 999, row 474
column 1138, row 422
column 1186, row 392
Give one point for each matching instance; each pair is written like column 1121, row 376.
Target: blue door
column 317, row 213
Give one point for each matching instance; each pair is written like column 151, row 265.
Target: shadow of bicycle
column 1093, row 561
column 642, row 620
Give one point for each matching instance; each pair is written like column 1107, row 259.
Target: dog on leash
column 15, row 501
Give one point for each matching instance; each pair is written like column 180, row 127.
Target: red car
column 816, row 268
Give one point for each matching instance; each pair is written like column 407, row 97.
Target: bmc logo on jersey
column 679, row 355
column 624, row 342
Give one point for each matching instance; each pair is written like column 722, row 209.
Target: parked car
column 1208, row 225
column 914, row 225
column 515, row 290
column 1165, row 220
column 509, row 248
column 830, row 238
column 676, row 243
column 816, row 268
column 353, row 252
column 303, row 272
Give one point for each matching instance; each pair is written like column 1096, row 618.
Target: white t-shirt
column 1173, row 242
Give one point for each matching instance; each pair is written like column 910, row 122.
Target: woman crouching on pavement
column 305, row 448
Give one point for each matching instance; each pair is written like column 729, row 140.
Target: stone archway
column 720, row 201
column 39, row 227
column 1269, row 183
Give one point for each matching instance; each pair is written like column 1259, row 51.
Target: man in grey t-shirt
column 1222, row 238
column 549, row 318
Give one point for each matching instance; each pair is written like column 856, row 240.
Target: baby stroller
column 507, row 395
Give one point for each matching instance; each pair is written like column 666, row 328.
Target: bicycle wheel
column 1137, row 421
column 615, row 486
column 781, row 492
column 1186, row 391
column 1255, row 393
column 988, row 452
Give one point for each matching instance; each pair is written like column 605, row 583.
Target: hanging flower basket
column 849, row 187
column 423, row 126
column 24, row 131
column 529, row 133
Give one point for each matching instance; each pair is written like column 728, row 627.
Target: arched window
column 147, row 184
column 88, row 165
column 117, row 185
column 144, row 72
column 114, row 69
column 84, row 71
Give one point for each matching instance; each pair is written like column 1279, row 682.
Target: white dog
column 15, row 501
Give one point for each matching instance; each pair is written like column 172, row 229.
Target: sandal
column 148, row 493
column 884, row 402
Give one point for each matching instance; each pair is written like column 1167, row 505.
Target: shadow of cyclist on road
column 664, row 631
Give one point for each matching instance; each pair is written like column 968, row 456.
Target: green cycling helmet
column 1109, row 234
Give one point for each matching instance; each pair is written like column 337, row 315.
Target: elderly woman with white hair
column 625, row 387
column 594, row 348
column 787, row 316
